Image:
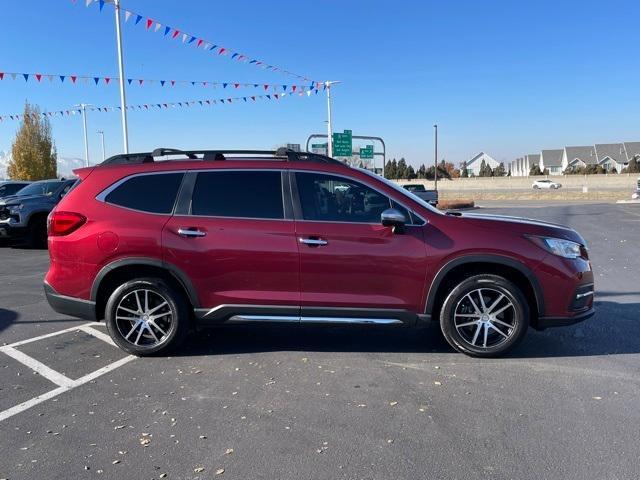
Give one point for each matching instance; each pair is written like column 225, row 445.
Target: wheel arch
column 455, row 270
column 128, row 268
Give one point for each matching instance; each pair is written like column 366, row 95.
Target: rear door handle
column 313, row 242
column 191, row 232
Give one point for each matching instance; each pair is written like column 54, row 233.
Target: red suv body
column 158, row 247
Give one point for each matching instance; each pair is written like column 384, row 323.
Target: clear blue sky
column 505, row 77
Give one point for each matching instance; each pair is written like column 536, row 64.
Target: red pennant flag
column 276, row 95
column 229, row 100
column 173, row 83
column 175, row 33
column 140, row 81
column 293, row 87
column 266, row 86
column 222, row 50
column 73, row 78
column 107, row 80
column 237, row 85
column 149, row 23
column 146, row 106
column 200, row 42
column 253, row 98
column 1, row 76
column 38, row 76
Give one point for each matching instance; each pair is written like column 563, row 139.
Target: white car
column 546, row 184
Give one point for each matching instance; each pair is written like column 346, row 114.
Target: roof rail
column 219, row 155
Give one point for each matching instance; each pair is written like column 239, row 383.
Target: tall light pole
column 101, row 133
column 123, row 99
column 83, row 110
column 329, row 121
column 435, row 159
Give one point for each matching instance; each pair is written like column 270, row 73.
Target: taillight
column 63, row 223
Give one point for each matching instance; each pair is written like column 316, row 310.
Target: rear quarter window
column 153, row 193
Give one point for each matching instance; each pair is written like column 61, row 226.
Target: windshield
column 402, row 191
column 40, row 188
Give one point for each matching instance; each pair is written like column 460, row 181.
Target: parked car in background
column 420, row 191
column 549, row 184
column 23, row 216
column 158, row 247
column 11, row 187
column 636, row 194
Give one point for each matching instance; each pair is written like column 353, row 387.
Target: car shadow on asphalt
column 7, row 317
column 614, row 329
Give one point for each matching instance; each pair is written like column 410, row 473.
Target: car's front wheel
column 484, row 316
column 147, row 316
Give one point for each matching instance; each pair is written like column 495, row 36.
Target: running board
column 338, row 320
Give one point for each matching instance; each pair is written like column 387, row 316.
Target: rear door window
column 239, row 194
column 153, row 193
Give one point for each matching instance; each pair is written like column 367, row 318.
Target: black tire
column 37, row 233
column 122, row 303
column 459, row 310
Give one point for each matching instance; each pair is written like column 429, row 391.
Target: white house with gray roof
column 473, row 165
column 612, row 156
column 633, row 150
column 551, row 160
column 578, row 157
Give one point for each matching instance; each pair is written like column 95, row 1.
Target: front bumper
column 546, row 322
column 75, row 307
column 11, row 230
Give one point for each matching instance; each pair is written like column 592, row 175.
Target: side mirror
column 392, row 218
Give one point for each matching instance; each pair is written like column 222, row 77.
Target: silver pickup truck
column 420, row 191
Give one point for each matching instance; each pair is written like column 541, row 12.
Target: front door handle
column 313, row 242
column 191, row 232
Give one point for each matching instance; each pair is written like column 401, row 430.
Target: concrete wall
column 622, row 182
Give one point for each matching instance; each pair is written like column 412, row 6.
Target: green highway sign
column 366, row 153
column 342, row 144
column 318, row 145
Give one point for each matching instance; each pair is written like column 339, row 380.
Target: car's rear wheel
column 147, row 316
column 484, row 316
column 536, row 187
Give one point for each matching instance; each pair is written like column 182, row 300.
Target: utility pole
column 123, row 99
column 101, row 133
column 435, row 159
column 83, row 110
column 329, row 121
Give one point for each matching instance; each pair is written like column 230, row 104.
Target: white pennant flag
column 50, row 77
column 158, row 26
column 127, row 15
column 184, row 37
column 13, row 76
column 89, row 2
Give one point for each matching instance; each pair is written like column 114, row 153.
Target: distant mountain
column 66, row 165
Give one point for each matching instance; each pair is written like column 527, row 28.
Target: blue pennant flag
column 129, row 80
column 269, row 97
column 234, row 55
column 284, row 88
column 138, row 18
column 96, row 79
column 224, row 85
column 253, row 61
column 213, row 47
column 222, row 100
column 244, row 98
column 191, row 40
column 101, row 4
column 26, row 77
column 166, row 30
column 62, row 77
column 162, row 82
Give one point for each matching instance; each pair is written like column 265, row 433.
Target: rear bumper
column 546, row 322
column 74, row 307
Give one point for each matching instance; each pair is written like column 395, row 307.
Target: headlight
column 561, row 247
column 14, row 209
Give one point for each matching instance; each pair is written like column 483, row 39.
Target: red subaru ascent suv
column 163, row 242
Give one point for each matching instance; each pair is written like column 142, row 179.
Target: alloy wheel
column 144, row 318
column 485, row 318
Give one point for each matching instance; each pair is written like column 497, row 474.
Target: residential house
column 611, row 156
column 633, row 150
column 473, row 165
column 529, row 161
column 551, row 160
column 574, row 158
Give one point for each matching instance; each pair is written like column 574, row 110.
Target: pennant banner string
column 173, row 33
column 74, row 79
column 167, row 105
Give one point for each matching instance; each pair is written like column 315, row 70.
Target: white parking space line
column 48, row 373
column 65, row 383
column 98, row 334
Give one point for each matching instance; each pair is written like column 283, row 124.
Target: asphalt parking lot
column 302, row 403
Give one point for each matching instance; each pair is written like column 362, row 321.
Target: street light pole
column 83, row 110
column 123, row 99
column 435, row 159
column 101, row 133
column 329, row 120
